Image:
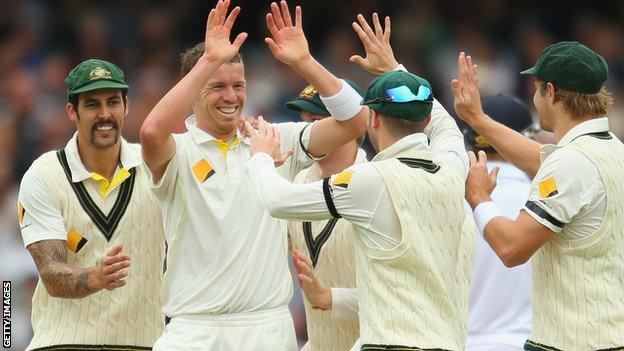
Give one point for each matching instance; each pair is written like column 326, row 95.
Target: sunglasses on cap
column 403, row 94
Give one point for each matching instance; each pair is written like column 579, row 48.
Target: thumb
column 272, row 46
column 240, row 39
column 248, row 129
column 456, row 90
column 357, row 59
column 494, row 174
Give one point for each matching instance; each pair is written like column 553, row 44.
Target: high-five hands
column 379, row 56
column 287, row 42
column 218, row 29
column 480, row 183
column 466, row 90
column 317, row 294
column 266, row 138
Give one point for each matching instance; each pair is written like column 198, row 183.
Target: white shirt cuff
column 344, row 303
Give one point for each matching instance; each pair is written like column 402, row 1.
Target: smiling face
column 221, row 101
column 99, row 115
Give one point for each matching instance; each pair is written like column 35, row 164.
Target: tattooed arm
column 64, row 281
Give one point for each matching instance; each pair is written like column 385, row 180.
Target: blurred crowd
column 40, row 41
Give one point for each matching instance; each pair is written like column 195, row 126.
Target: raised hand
column 287, row 42
column 218, row 47
column 465, row 90
column 266, row 138
column 110, row 273
column 379, row 56
column 317, row 294
column 480, row 183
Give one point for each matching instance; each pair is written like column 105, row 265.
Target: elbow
column 149, row 133
column 512, row 257
column 50, row 288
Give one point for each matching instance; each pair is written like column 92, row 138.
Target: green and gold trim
column 426, row 165
column 314, row 246
column 106, row 224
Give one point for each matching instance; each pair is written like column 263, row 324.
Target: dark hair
column 73, row 99
column 189, row 58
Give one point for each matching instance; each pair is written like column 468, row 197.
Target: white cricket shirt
column 225, row 253
column 567, row 189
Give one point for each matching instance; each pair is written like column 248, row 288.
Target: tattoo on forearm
column 60, row 279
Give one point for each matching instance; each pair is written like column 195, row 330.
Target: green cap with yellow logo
column 572, row 66
column 310, row 101
column 94, row 74
column 401, row 95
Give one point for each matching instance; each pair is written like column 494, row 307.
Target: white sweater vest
column 416, row 294
column 578, row 295
column 129, row 316
column 330, row 245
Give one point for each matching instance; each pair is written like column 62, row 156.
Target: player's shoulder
column 47, row 159
column 568, row 162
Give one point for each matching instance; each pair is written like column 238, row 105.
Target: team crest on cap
column 99, row 73
column 481, row 142
column 308, row 93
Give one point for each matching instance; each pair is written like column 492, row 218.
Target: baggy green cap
column 310, row 101
column 94, row 74
column 572, row 66
column 401, row 95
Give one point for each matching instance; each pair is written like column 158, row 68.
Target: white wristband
column 345, row 104
column 400, row 67
column 484, row 213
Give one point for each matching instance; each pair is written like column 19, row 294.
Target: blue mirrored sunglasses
column 403, row 94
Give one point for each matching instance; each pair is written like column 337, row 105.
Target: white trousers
column 265, row 330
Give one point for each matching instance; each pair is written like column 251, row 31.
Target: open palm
column 288, row 42
column 218, row 30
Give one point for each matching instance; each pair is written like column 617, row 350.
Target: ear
column 551, row 92
column 376, row 120
column 126, row 105
column 72, row 114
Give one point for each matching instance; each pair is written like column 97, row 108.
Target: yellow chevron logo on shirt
column 75, row 241
column 21, row 211
column 547, row 187
column 203, row 170
column 343, row 179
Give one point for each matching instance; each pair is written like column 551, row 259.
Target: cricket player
column 227, row 283
column 86, row 212
column 413, row 270
column 329, row 243
column 573, row 222
column 500, row 297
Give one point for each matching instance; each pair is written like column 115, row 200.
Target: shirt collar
column 410, row 143
column 130, row 157
column 201, row 137
column 593, row 125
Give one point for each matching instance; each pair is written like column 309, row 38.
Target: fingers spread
column 279, row 21
column 472, row 158
column 240, row 39
column 363, row 37
column 494, row 174
column 367, row 29
column 229, row 21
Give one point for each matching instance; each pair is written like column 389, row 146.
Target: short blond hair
column 189, row 58
column 579, row 104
